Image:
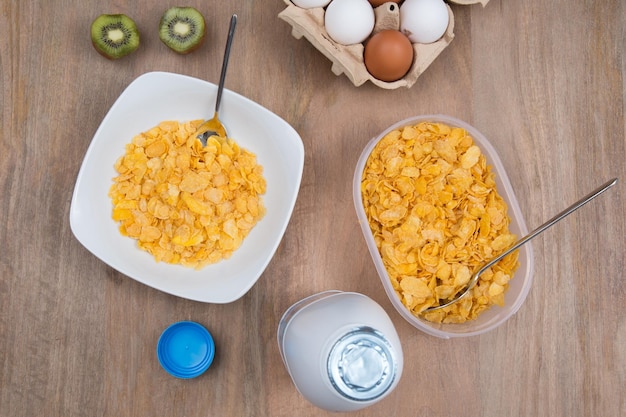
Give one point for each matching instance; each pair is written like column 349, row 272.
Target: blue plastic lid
column 185, row 349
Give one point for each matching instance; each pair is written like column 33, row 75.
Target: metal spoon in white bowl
column 474, row 278
column 213, row 127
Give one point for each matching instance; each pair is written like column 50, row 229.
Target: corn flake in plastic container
column 518, row 286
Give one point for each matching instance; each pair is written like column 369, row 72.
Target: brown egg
column 376, row 3
column 388, row 55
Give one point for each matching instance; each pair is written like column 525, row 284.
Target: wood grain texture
column 543, row 80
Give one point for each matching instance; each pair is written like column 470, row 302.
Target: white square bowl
column 150, row 99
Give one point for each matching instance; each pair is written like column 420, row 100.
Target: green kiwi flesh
column 114, row 35
column 182, row 29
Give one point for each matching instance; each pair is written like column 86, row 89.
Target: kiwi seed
column 182, row 29
column 114, row 35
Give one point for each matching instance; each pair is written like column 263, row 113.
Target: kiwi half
column 114, row 35
column 182, row 29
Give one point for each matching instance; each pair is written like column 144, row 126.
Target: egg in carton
column 348, row 59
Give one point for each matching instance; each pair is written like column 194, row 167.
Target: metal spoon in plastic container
column 474, row 278
column 213, row 126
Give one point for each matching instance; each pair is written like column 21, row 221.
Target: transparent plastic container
column 520, row 283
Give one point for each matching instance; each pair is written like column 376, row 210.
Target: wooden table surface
column 543, row 80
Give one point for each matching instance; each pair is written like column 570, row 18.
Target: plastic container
column 341, row 350
column 520, row 283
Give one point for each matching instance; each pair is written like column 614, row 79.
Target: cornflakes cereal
column 436, row 217
column 185, row 203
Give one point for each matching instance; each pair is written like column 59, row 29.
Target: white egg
column 424, row 21
column 310, row 4
column 349, row 21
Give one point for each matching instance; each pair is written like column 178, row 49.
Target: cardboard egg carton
column 348, row 59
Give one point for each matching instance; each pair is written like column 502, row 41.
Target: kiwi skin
column 175, row 41
column 114, row 48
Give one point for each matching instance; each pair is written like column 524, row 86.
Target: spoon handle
column 552, row 221
column 229, row 42
column 525, row 239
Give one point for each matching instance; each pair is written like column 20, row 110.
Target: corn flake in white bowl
column 159, row 96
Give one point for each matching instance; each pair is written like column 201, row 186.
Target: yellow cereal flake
column 185, row 203
column 436, row 217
